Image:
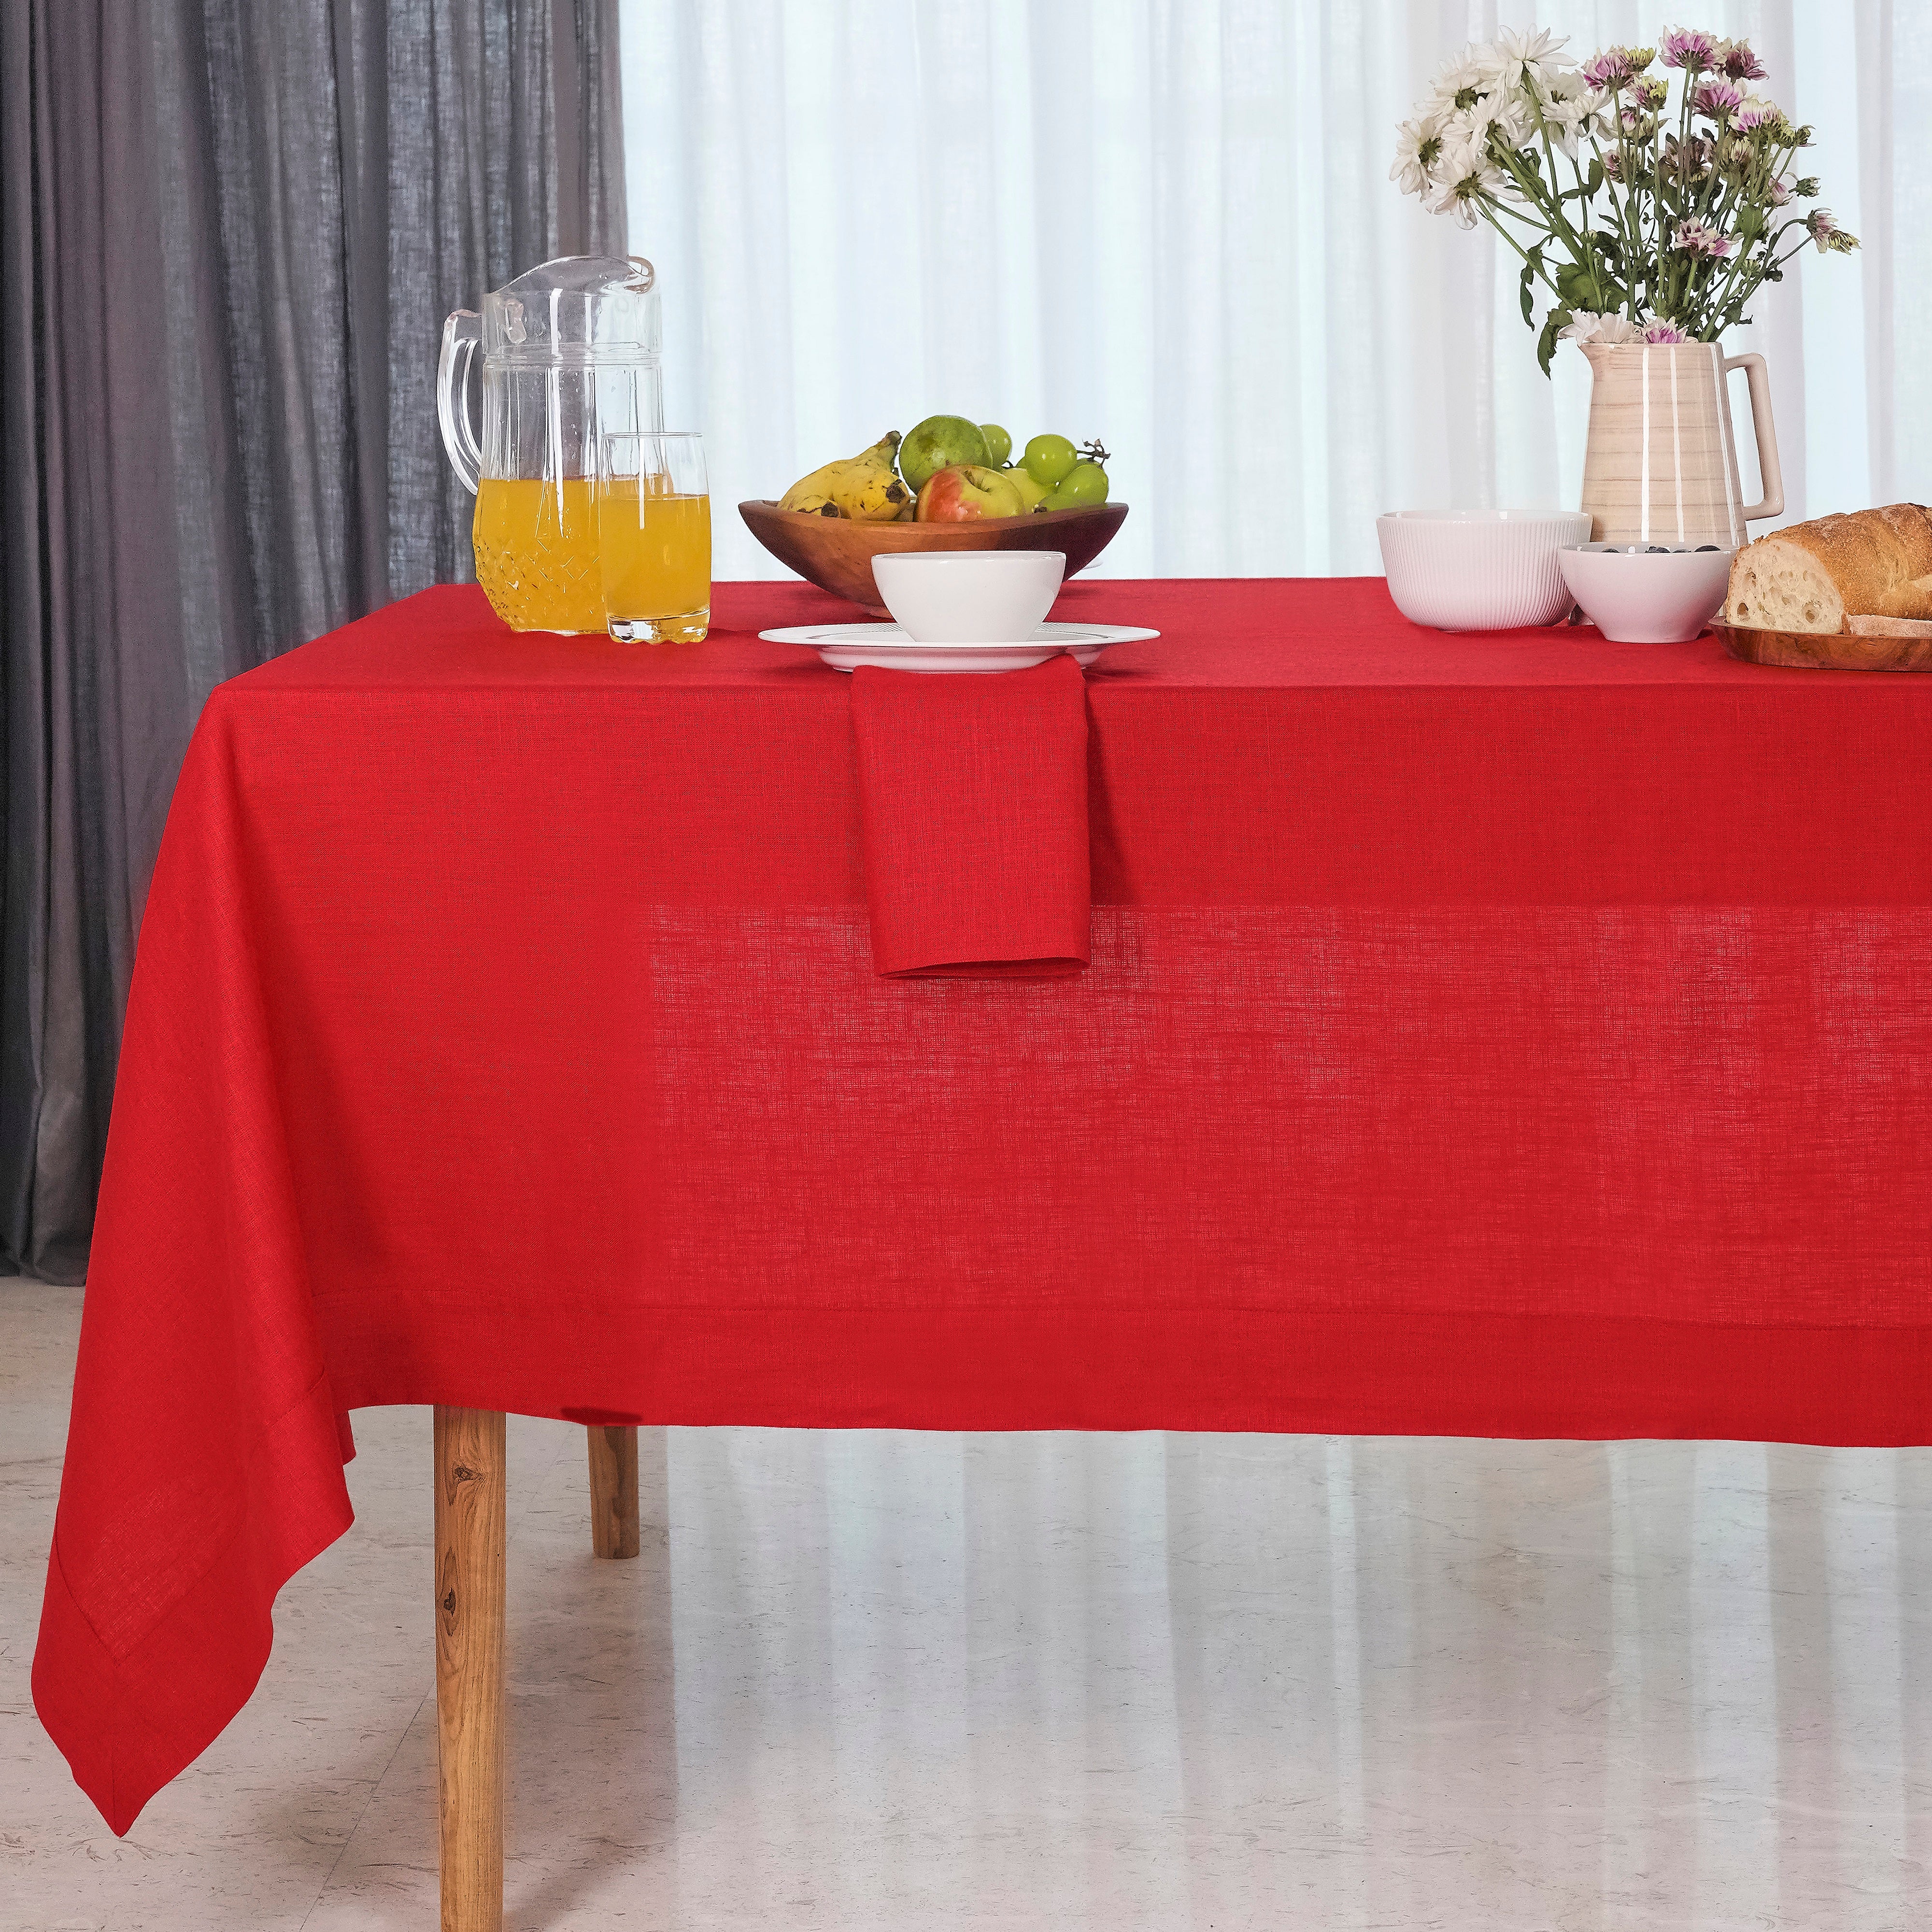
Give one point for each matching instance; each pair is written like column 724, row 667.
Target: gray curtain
column 229, row 232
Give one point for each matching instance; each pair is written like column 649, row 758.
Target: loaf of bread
column 1814, row 577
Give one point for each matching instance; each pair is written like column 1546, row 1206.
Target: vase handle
column 1769, row 473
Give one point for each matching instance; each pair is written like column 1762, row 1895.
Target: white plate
column 847, row 647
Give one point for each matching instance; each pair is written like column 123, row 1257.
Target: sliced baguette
column 1813, row 577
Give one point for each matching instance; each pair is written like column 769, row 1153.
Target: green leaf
column 1575, row 285
column 1596, row 175
column 1532, row 262
column 1558, row 319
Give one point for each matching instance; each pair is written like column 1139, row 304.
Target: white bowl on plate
column 1647, row 594
column 1479, row 570
column 969, row 596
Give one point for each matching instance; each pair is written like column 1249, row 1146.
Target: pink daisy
column 1689, row 47
column 1740, row 62
column 1609, row 69
column 1694, row 238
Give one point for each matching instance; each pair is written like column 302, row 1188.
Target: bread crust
column 1889, row 627
column 1879, row 563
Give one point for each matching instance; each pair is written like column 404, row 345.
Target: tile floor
column 887, row 1680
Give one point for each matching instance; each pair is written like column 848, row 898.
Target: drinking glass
column 654, row 537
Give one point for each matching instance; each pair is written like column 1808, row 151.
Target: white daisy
column 1570, row 116
column 1506, row 115
column 1517, row 52
column 1417, row 145
column 1586, row 326
column 1463, row 172
column 1462, row 83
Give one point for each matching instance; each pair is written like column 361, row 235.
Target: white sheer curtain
column 1168, row 223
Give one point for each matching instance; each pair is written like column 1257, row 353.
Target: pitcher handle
column 460, row 334
column 1769, row 473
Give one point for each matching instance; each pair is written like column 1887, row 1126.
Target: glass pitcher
column 570, row 355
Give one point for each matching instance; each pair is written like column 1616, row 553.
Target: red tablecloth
column 1515, row 1034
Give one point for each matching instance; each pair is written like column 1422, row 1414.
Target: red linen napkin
column 973, row 802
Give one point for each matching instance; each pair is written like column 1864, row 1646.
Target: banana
column 817, row 488
column 865, row 488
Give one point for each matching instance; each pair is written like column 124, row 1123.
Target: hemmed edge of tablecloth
column 88, row 1699
column 1280, row 1370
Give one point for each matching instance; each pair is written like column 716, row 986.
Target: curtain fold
column 228, row 236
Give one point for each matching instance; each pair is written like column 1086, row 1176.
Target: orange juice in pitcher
column 537, row 556
column 570, row 354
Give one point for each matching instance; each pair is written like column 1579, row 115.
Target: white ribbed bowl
column 1479, row 570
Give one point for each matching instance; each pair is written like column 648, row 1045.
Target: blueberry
column 1703, row 548
column 1657, row 550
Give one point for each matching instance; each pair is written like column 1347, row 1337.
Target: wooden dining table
column 1501, row 1034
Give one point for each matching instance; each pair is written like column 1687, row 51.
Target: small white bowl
column 1636, row 594
column 1479, row 570
column 969, row 596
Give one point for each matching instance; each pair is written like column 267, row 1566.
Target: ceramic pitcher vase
column 1661, row 463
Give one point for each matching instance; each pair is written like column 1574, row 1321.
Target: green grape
column 999, row 443
column 1049, row 458
column 1080, row 488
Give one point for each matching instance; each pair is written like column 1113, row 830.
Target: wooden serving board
column 1814, row 650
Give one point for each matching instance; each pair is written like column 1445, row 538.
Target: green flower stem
column 1576, row 243
column 1489, row 208
column 1537, row 190
column 1664, row 228
column 1718, row 296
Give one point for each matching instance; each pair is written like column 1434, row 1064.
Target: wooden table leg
column 613, row 1490
column 470, row 1550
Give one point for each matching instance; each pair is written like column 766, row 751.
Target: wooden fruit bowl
column 837, row 555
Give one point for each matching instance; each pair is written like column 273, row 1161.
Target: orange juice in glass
column 654, row 537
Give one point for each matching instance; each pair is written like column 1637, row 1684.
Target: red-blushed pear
column 967, row 490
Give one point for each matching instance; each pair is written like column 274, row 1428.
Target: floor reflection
column 1198, row 1681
